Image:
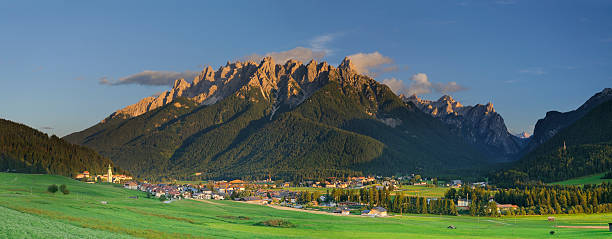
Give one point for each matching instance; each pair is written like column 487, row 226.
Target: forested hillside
column 26, row 150
column 582, row 148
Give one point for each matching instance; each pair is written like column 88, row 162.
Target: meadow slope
column 24, row 196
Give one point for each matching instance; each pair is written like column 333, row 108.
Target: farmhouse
column 506, row 207
column 376, row 212
column 131, row 185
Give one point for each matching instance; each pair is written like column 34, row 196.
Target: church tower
column 110, row 174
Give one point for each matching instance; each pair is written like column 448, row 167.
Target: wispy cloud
column 321, row 43
column 609, row 39
column 506, row 2
column 533, row 71
column 46, row 128
column 104, row 81
column 420, row 84
column 150, row 78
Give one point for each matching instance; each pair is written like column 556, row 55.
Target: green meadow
column 590, row 179
column 423, row 191
column 31, row 212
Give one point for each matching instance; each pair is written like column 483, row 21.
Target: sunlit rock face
column 287, row 84
column 478, row 124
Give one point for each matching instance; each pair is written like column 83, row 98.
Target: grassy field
column 423, row 191
column 33, row 213
column 591, row 179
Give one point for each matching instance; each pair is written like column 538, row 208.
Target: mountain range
column 313, row 120
column 290, row 120
column 479, row 124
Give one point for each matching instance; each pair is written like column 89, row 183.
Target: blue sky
column 527, row 57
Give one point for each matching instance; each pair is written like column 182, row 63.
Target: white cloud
column 420, row 84
column 151, row 78
column 372, row 63
column 397, row 86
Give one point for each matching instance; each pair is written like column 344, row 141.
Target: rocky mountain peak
column 347, row 64
column 288, row 83
column 479, row 124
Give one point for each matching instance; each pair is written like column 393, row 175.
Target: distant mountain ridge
column 478, row 124
column 288, row 120
column 581, row 148
column 555, row 121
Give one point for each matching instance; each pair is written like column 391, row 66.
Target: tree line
column 383, row 197
column 538, row 200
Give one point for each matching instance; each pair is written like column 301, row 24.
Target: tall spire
column 110, row 174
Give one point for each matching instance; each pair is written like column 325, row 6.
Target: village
column 309, row 195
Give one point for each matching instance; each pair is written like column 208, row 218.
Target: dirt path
column 585, row 227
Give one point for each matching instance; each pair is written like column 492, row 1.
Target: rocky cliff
column 478, row 124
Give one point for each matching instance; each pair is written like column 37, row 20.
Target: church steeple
column 110, row 174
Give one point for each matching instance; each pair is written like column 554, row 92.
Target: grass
column 423, row 191
column 34, row 213
column 276, row 223
column 591, row 179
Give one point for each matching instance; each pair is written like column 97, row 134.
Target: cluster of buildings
column 108, row 177
column 333, row 182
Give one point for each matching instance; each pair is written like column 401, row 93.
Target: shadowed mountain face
column 479, row 125
column 291, row 121
column 581, row 148
column 26, row 150
column 555, row 121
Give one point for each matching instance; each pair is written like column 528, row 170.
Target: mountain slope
column 479, row 125
column 290, row 121
column 583, row 148
column 23, row 149
column 555, row 121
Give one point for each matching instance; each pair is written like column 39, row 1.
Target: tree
column 52, row 188
column 64, row 189
column 492, row 208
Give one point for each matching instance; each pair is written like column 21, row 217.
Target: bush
column 64, row 189
column 52, row 188
column 276, row 223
